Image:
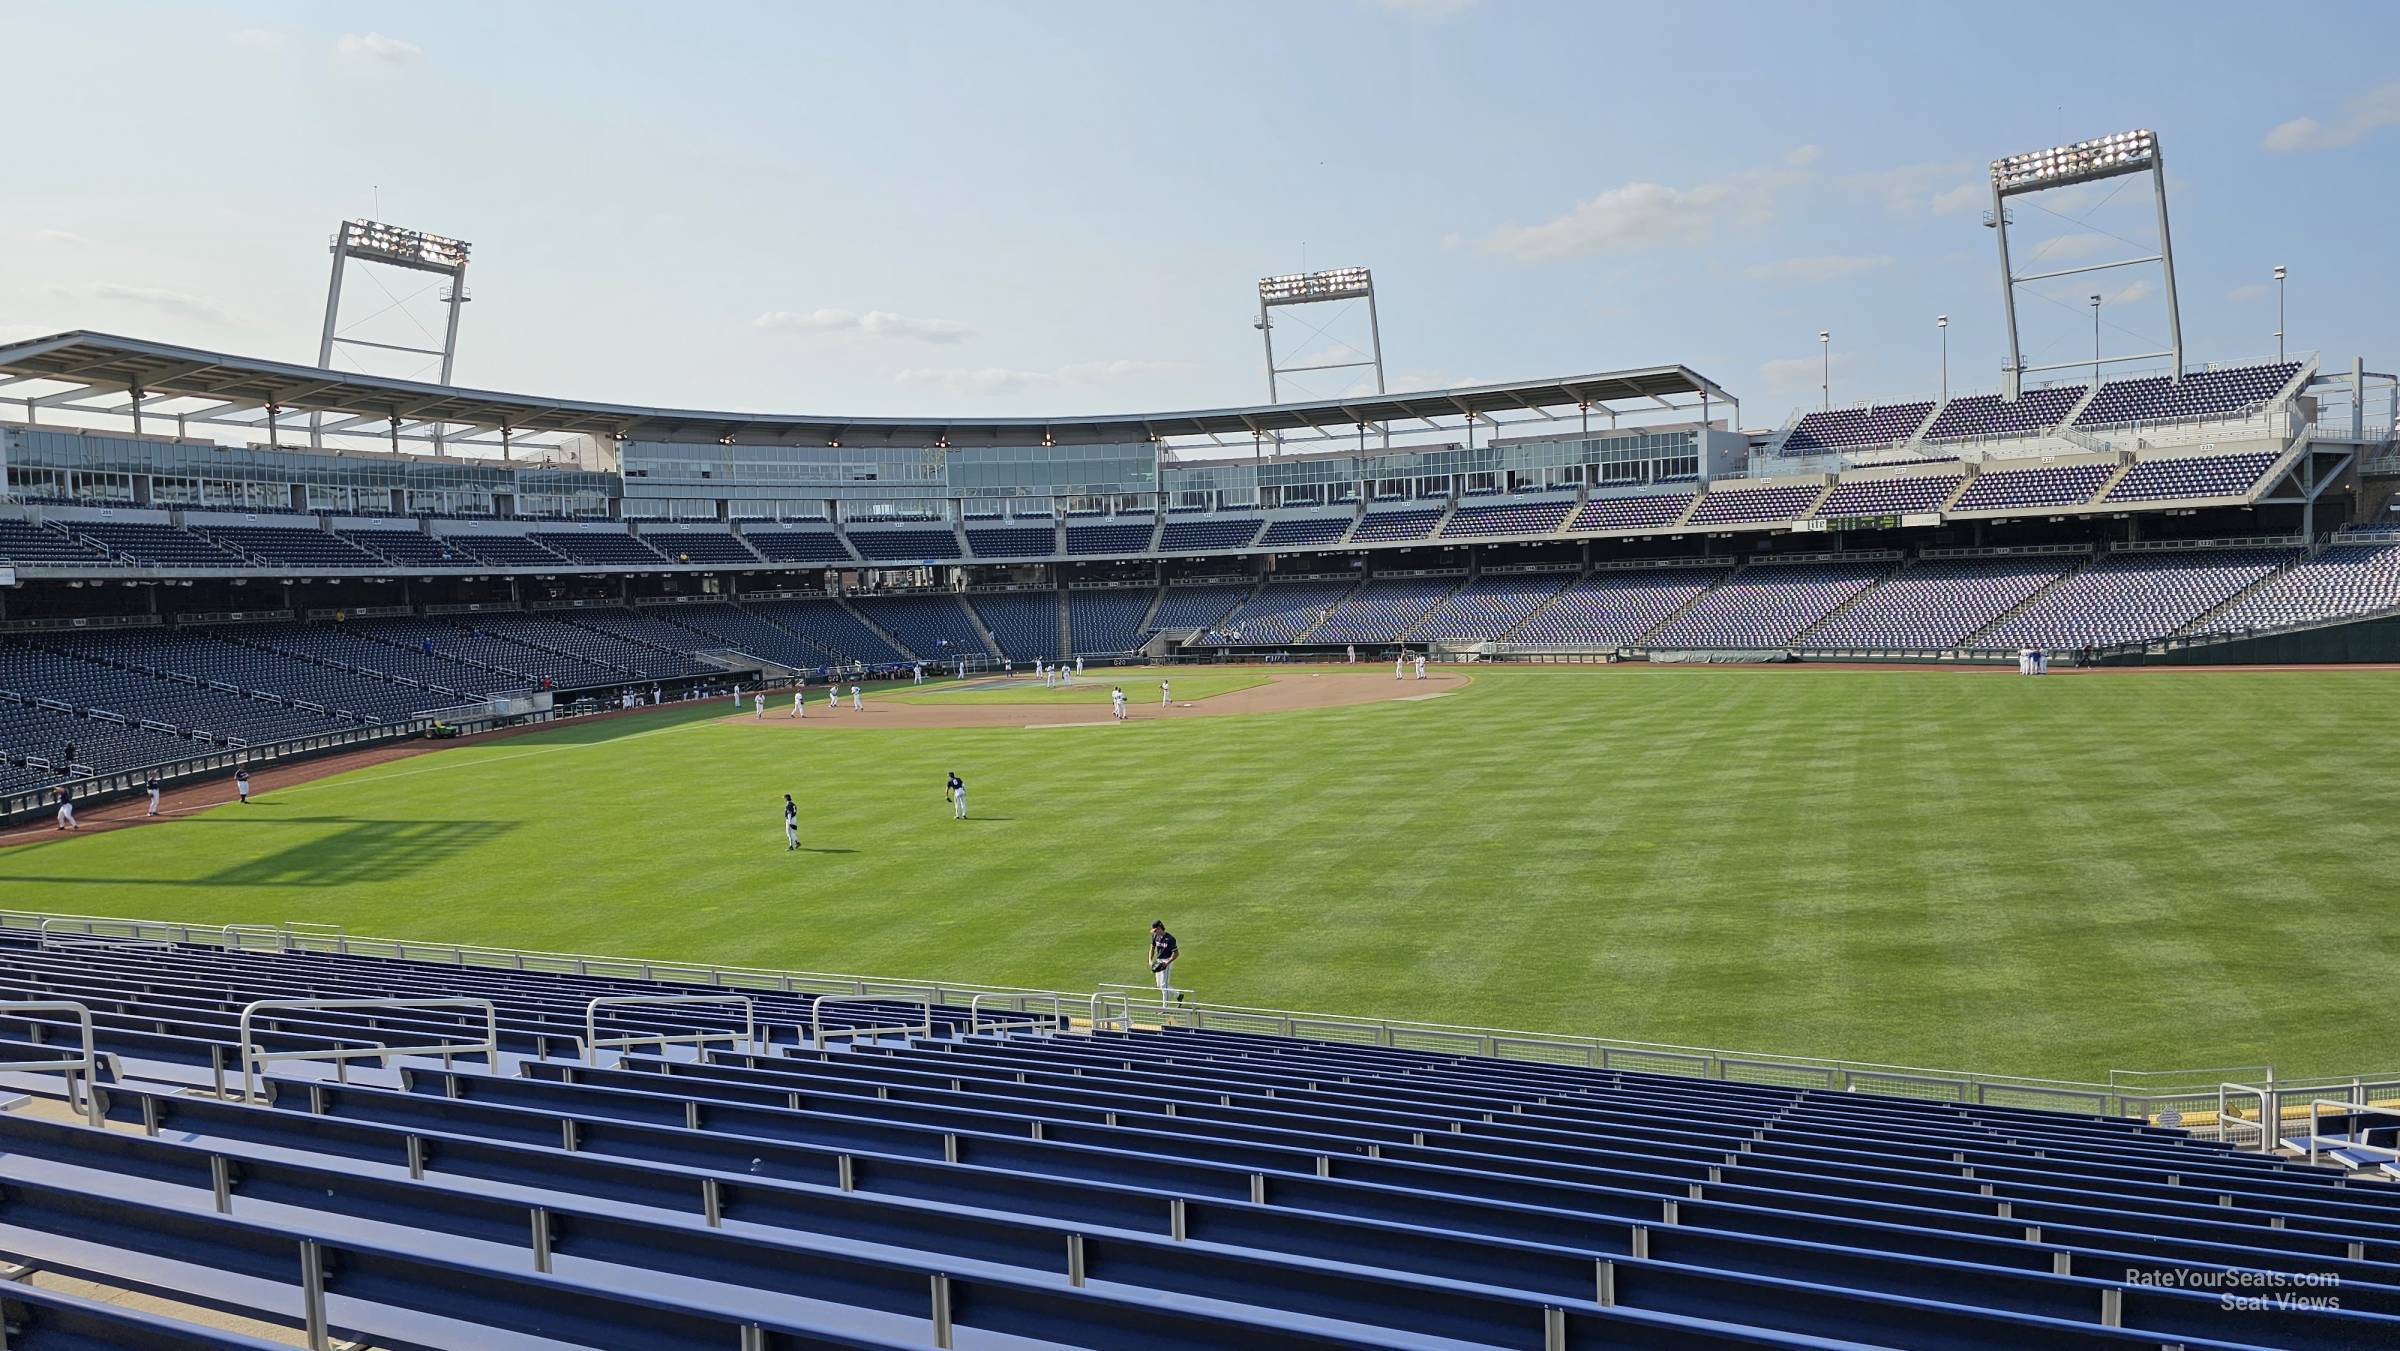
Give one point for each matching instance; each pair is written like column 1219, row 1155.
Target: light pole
column 1942, row 322
column 2279, row 312
column 2095, row 342
column 1825, row 376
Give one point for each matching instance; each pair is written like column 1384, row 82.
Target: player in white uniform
column 1079, row 666
column 758, row 704
column 737, row 698
column 918, row 671
column 857, row 704
column 799, row 701
column 1116, row 703
column 1163, row 694
column 958, row 797
column 1420, row 666
column 1398, row 663
column 152, row 785
column 791, row 823
column 833, row 697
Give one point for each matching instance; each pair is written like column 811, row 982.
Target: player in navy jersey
column 957, row 788
column 791, row 823
column 1163, row 952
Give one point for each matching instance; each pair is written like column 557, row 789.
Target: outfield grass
column 2058, row 876
column 1140, row 684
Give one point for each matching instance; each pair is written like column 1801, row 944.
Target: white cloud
column 872, row 324
column 1641, row 215
column 2138, row 289
column 1964, row 197
column 1792, row 373
column 1801, row 156
column 974, row 380
column 67, row 237
column 2070, row 248
column 2256, row 290
column 1423, row 11
column 2357, row 119
column 1829, row 267
column 180, row 303
column 376, row 49
column 1911, row 188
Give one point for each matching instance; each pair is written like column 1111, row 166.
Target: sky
column 942, row 208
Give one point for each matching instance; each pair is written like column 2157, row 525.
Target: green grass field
column 2062, row 876
column 1140, row 684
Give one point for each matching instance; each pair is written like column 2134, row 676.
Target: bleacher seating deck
column 2188, row 476
column 932, row 625
column 516, row 551
column 1103, row 621
column 26, row 542
column 1845, row 428
column 1414, row 523
column 158, row 545
column 1303, row 530
column 1630, row 513
column 2340, row 581
column 601, row 548
column 1750, row 506
column 904, row 546
column 1516, row 518
column 1282, row 610
column 1975, row 417
column 1120, row 539
column 293, row 546
column 797, row 546
column 1491, row 605
column 1174, row 1186
column 2057, row 485
column 1383, row 608
column 409, row 547
column 2234, row 392
column 1024, row 622
column 1201, row 536
column 1931, row 606
column 1898, row 495
column 1197, row 606
column 825, row 623
column 1615, row 607
column 700, row 546
column 2132, row 596
column 1017, row 542
column 1766, row 606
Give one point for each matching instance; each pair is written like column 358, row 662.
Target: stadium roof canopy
column 122, row 377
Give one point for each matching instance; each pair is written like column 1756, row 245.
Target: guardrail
column 816, row 1020
column 255, row 1056
column 2158, row 1095
column 31, row 802
column 85, row 1066
column 593, row 1044
column 2351, row 1108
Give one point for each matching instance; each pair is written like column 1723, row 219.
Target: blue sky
column 1018, row 208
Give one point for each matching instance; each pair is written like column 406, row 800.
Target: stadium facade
column 371, row 550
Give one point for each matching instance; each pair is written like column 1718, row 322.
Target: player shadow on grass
column 813, row 849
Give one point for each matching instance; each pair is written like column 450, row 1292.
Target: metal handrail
column 816, row 1019
column 87, row 1065
column 255, row 1056
column 1057, row 1020
column 67, row 926
column 593, row 1044
column 2268, row 1105
column 2351, row 1107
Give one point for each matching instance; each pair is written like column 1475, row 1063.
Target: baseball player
column 791, row 824
column 151, row 785
column 958, row 797
column 66, row 809
column 1399, row 664
column 758, row 704
column 800, row 700
column 1163, row 952
column 833, row 697
column 737, row 697
column 857, row 704
column 1079, row 666
column 1420, row 666
column 241, row 784
column 918, row 671
column 1164, row 694
column 1116, row 703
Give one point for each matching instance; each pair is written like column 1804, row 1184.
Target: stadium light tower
column 373, row 242
column 2112, row 156
column 1825, row 366
column 1328, row 286
column 2279, row 312
column 1942, row 322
